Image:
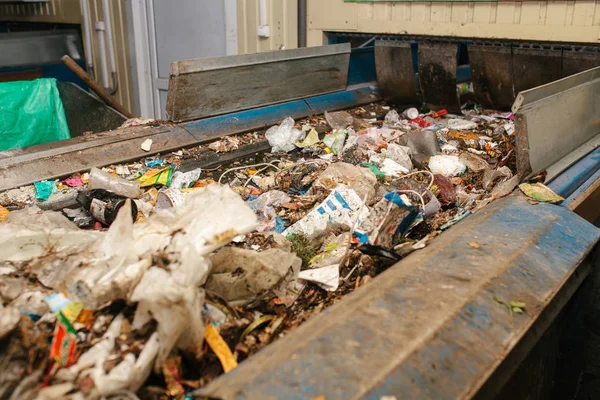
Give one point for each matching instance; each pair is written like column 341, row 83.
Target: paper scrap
column 56, row 302
column 73, row 182
column 147, row 145
column 326, row 277
column 311, row 139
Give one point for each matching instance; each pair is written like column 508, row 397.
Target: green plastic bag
column 31, row 112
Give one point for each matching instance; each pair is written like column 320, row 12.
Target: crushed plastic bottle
column 122, row 187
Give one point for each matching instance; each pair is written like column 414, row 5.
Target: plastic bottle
column 103, row 180
column 104, row 205
column 410, row 113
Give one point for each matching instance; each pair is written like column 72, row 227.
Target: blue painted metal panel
column 362, row 66
column 428, row 327
column 211, row 128
column 338, row 101
column 576, row 175
column 362, row 60
column 57, row 71
column 581, row 189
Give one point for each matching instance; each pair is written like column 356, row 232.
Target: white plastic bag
column 282, row 137
column 400, row 154
column 326, row 277
column 446, row 165
column 391, row 168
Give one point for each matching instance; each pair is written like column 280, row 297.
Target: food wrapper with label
column 389, row 221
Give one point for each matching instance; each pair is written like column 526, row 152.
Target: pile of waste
column 155, row 280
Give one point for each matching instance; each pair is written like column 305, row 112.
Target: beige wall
column 68, row 11
column 568, row 21
column 282, row 18
column 60, row 11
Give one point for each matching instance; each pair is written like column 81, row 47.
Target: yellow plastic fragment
column 220, row 348
column 3, row 214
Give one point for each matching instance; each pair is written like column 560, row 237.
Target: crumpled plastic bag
column 446, row 165
column 129, row 374
column 399, row 154
column 264, row 205
column 335, row 141
column 282, row 138
column 504, row 188
column 423, row 145
column 376, row 138
column 311, row 139
column 333, row 251
column 391, row 168
column 388, row 221
column 473, row 162
column 96, row 267
column 490, row 176
column 241, row 276
column 34, row 217
column 173, row 303
column 326, row 277
column 458, row 124
column 392, row 118
column 361, row 180
column 182, row 180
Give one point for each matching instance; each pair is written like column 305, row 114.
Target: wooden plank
column 212, row 86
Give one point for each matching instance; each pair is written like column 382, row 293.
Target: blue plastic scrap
column 44, row 189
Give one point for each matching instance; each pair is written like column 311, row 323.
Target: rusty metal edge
column 214, row 63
